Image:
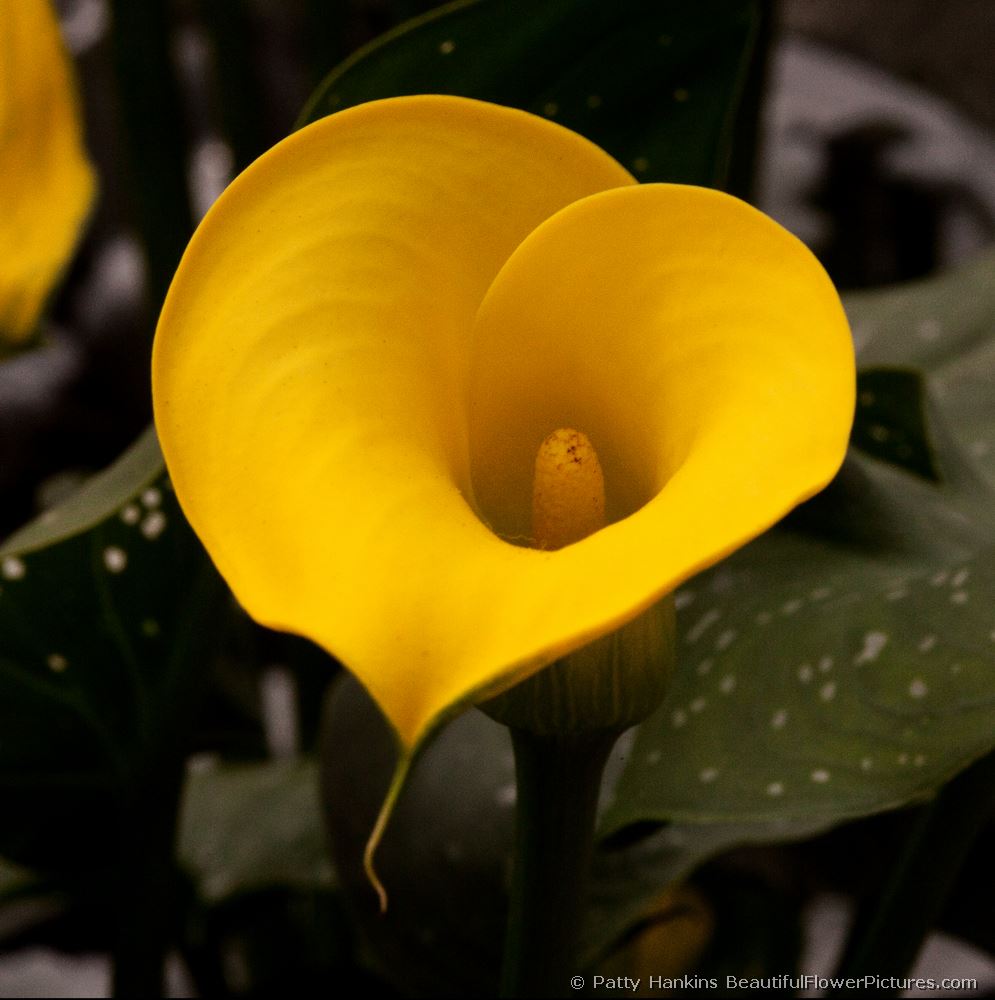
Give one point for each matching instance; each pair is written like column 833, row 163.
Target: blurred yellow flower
column 380, row 321
column 47, row 182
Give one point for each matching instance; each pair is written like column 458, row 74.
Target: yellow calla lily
column 47, row 182
column 379, row 322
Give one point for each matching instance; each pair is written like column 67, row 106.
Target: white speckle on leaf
column 805, row 673
column 774, row 789
column 130, row 514
column 790, row 607
column 705, row 622
column 919, row 759
column 866, row 764
column 679, row 718
column 897, row 594
column 820, row 776
column 779, row 719
column 698, row 705
column 821, row 593
column 683, row 598
column 918, row 688
column 506, row 796
column 57, row 663
column 828, row 691
column 654, row 757
column 115, row 559
column 903, row 759
column 728, row 684
column 13, row 568
column 152, row 497
column 725, row 639
column 960, row 577
column 447, row 47
column 704, row 667
column 926, row 643
column 939, row 579
column 959, row 597
column 929, row 329
column 874, row 642
column 763, row 618
column 154, row 525
column 708, row 774
column 826, row 664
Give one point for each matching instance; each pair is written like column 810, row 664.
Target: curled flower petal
column 48, row 183
column 381, row 320
column 700, row 346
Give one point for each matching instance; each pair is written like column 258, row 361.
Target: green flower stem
column 890, row 930
column 559, row 778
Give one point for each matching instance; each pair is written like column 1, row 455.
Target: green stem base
column 559, row 778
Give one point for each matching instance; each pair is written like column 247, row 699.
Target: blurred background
column 877, row 148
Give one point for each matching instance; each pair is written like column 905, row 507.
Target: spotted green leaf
column 843, row 663
column 657, row 85
column 103, row 606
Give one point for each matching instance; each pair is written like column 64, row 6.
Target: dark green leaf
column 103, row 606
column 943, row 327
column 656, row 84
column 891, row 421
column 253, row 826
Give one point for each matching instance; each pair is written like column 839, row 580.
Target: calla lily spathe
column 47, row 181
column 381, row 319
